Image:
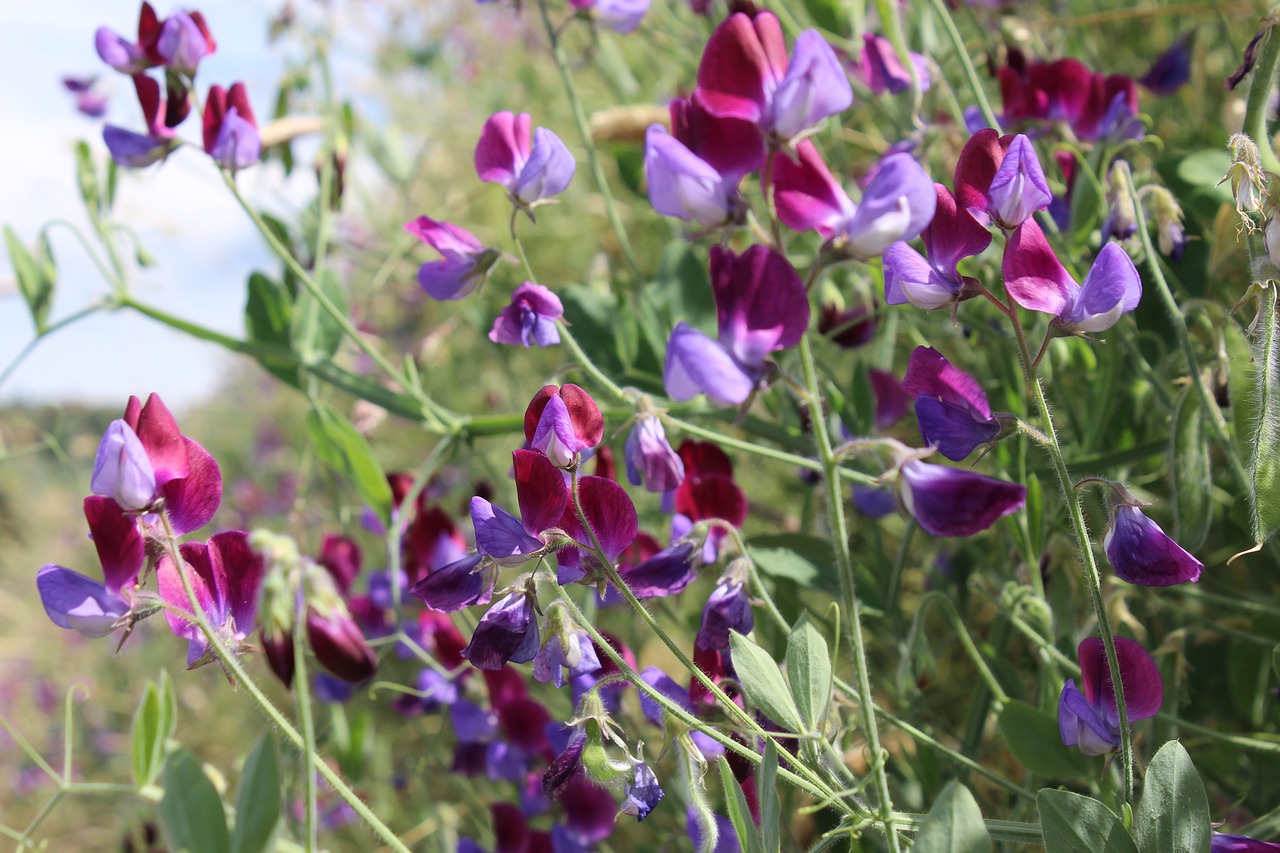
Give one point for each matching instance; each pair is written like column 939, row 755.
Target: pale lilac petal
column 814, row 88
column 529, row 319
column 1018, row 188
column 78, row 603
column 698, row 365
column 548, row 171
column 181, row 44
column 908, row 277
column 1081, row 725
column 897, row 205
column 122, row 470
column 1112, row 287
column 450, row 278
column 651, row 459
column 683, row 185
column 238, row 145
column 118, row 52
column 621, row 16
column 1033, row 275
column 134, row 150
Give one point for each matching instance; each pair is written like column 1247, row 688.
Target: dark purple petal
column 584, row 414
column 501, row 536
column 1171, row 69
column 240, row 570
column 728, row 609
column 1142, row 553
column 507, row 632
column 683, row 185
column 726, row 835
column 874, row 503
column 930, row 374
column 1033, row 275
column 953, row 234
column 589, row 810
column 650, row 458
column 540, row 489
column 511, row 832
column 78, row 603
column 1018, row 188
column 1143, row 687
column 341, row 556
column 667, row 686
column 122, row 470
column 564, row 767
column 975, row 169
column 956, row 502
column 814, row 88
column 731, row 146
column 548, row 171
column 881, row 69
column 192, row 501
column 954, row 430
column 610, row 513
column 339, row 646
column 457, row 585
column 1112, row 287
column 471, row 723
column 697, row 365
column 761, row 304
column 891, row 401
column 120, row 546
column 578, row 657
column 1223, row 843
column 159, row 434
column 1080, row 724
column 665, row 573
column 643, row 794
column 503, row 148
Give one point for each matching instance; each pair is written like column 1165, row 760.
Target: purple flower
column 184, row 40
column 613, row 519
column 531, row 170
column 999, row 179
column 563, row 423
column 745, row 73
column 643, row 793
column 726, row 835
column 1142, row 553
column 122, row 470
column 572, row 650
column 529, row 319
column 460, row 584
column 543, row 498
column 761, row 307
column 873, row 503
column 728, row 609
column 464, row 261
column 131, row 57
column 339, row 645
column 880, row 69
column 953, row 501
column 225, row 574
column 1223, row 843
column 1090, row 720
column 1036, row 280
column 665, row 573
column 90, row 103
column 951, row 407
column 81, row 604
column 507, row 632
column 230, row 131
column 621, row 16
column 897, row 205
column 930, row 283
column 1171, row 69
column 650, row 457
column 135, row 149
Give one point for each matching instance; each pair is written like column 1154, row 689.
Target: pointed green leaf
column 268, row 317
column 1190, row 467
column 739, row 813
column 145, row 742
column 1173, row 816
column 1075, row 824
column 191, row 812
column 257, row 799
column 346, row 451
column 809, row 670
column 770, row 801
column 953, row 825
column 763, row 683
column 87, row 179
column 1034, row 739
column 35, row 278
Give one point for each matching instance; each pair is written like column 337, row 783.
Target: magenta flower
column 1142, row 553
column 339, row 645
column 879, row 68
column 650, row 457
column 745, row 73
column 761, row 308
column 562, row 423
column 933, row 281
column 529, row 319
column 131, row 57
column 225, row 574
column 954, row 501
column 1036, row 280
column 230, row 131
column 1090, row 720
column 897, row 204
column 183, row 41
column 543, row 497
column 613, row 519
column 999, row 179
column 1095, row 105
column 951, row 407
column 464, row 261
column 531, row 170
column 508, row 632
column 136, row 149
column 621, row 16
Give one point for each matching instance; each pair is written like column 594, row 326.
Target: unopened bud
column 1167, row 214
column 1248, row 183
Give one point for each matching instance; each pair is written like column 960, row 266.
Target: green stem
column 233, row 667
column 971, row 73
column 302, row 701
column 584, row 130
column 1256, row 106
column 895, row 576
column 966, row 639
column 1085, row 547
column 999, row 830
column 848, row 589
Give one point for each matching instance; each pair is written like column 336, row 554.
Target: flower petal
column 78, row 603
column 1033, row 275
column 696, row 365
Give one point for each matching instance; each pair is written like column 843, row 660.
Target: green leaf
column 154, row 722
column 763, row 682
column 268, row 318
column 1205, row 170
column 596, row 321
column 770, row 801
column 87, row 179
column 1244, row 405
column 1189, row 465
column 860, row 407
column 828, row 14
column 346, row 451
column 953, row 825
column 809, row 670
column 739, row 814
column 1075, row 824
column 797, row 557
column 257, row 799
column 1173, row 816
column 1275, row 661
column 316, row 333
column 191, row 812
column 1034, row 739
column 35, row 276
column 1035, row 512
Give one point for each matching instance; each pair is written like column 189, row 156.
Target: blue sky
column 204, row 245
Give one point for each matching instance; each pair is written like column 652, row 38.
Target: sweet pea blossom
column 650, row 457
column 1142, row 553
column 932, row 280
column 1093, row 104
column 464, row 261
column 999, row 179
column 897, row 204
column 543, row 497
column 532, row 170
column 1224, row 843
column 529, row 319
column 643, row 793
column 761, row 307
column 508, row 632
column 878, row 67
column 183, row 41
column 131, row 57
column 562, row 423
column 231, row 134
column 225, row 574
column 951, row 407
column 728, row 609
column 1090, row 720
column 954, row 501
column 1036, row 280
column 621, row 16
column 137, row 149
column 745, row 73
column 1171, row 70
column 88, row 101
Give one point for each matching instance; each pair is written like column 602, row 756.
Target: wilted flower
column 508, row 632
column 643, row 794
column 1090, row 720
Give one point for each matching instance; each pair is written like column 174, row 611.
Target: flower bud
column 1248, row 183
column 122, row 471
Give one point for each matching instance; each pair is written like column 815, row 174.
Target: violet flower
column 1142, row 553
column 508, row 632
column 225, row 574
column 464, row 261
column 136, row 149
column 543, row 497
column 1172, row 69
column 643, row 793
column 650, row 457
column 131, row 57
column 897, row 204
column 761, row 308
column 666, row 573
column 460, row 584
column 231, row 134
column 1224, row 843
column 745, row 73
column 728, row 609
column 184, row 40
column 621, row 16
column 572, row 651
column 879, row 68
column 89, row 607
column 563, row 423
column 613, row 521
column 122, row 470
column 934, row 281
column 951, row 407
column 531, row 170
column 1090, row 720
column 1036, row 280
column 999, row 179
column 89, row 102
column 529, row 319
column 693, row 172
column 954, row 501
